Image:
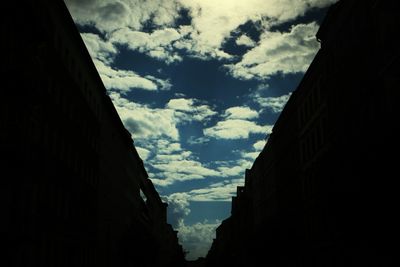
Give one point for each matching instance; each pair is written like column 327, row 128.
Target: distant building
column 70, row 175
column 322, row 192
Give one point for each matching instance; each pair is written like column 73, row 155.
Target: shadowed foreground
column 322, row 191
column 74, row 191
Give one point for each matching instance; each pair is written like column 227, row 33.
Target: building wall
column 321, row 191
column 71, row 176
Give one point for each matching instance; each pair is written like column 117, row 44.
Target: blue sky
column 199, row 84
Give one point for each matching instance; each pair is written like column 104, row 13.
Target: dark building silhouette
column 323, row 190
column 74, row 191
column 200, row 262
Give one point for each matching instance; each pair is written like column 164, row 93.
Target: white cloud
column 190, row 109
column 167, row 178
column 259, row 145
column 123, row 80
column 276, row 104
column 198, row 141
column 216, row 192
column 203, row 112
column 98, row 48
column 103, row 54
column 287, row 52
column 212, row 22
column 241, row 113
column 181, row 165
column 180, row 104
column 197, row 238
column 245, row 41
column 173, row 164
column 162, row 182
column 231, row 171
column 178, row 208
column 176, row 157
column 186, row 167
column 257, row 148
column 250, row 155
column 111, row 15
column 143, row 153
column 145, row 122
column 157, row 44
column 167, row 147
column 156, row 130
column 236, row 129
column 164, row 85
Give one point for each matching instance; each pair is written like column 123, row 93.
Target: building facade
column 74, row 191
column 322, row 192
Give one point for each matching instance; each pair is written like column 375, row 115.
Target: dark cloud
column 113, row 11
column 133, row 126
column 81, row 3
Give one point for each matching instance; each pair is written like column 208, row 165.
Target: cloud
column 236, row 129
column 165, row 146
column 143, row 153
column 103, row 54
column 181, row 104
column 197, row 238
column 156, row 130
column 257, row 148
column 173, row 164
column 175, row 157
column 259, row 145
column 278, row 52
column 222, row 191
column 182, row 165
column 145, row 122
column 275, row 104
column 188, row 110
column 110, row 15
column 178, row 208
column 162, row 182
column 165, row 179
column 241, row 113
column 212, row 23
column 123, row 80
column 231, row 171
column 198, row 141
column 98, row 48
column 250, row 155
column 157, row 44
column 186, row 167
column 245, row 41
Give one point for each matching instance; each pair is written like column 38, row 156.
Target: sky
column 199, row 84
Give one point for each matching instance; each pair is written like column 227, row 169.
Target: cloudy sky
column 199, row 84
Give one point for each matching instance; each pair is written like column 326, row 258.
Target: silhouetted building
column 200, row 262
column 70, row 175
column 322, row 191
